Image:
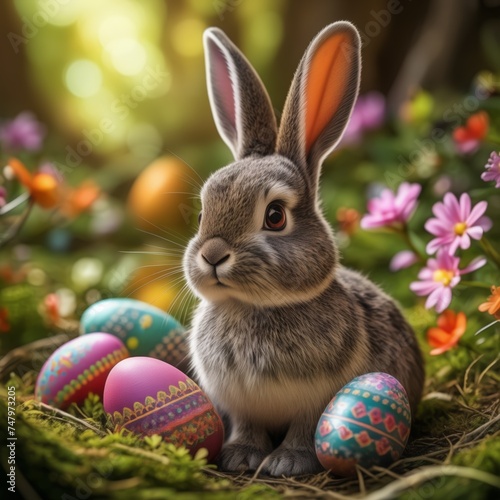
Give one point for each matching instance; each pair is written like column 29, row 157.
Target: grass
column 453, row 453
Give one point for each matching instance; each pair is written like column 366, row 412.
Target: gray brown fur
column 281, row 325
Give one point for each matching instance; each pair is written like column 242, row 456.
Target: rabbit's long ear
column 321, row 97
column 240, row 104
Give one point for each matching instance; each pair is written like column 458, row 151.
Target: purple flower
column 492, row 169
column 440, row 276
column 402, row 260
column 390, row 208
column 456, row 223
column 3, row 196
column 24, row 132
column 368, row 114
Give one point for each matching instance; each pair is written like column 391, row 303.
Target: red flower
column 450, row 327
column 468, row 137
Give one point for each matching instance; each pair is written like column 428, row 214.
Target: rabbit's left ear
column 321, row 98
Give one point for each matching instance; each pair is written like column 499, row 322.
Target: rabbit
column 281, row 325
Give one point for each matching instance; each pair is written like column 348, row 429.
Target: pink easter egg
column 148, row 396
column 78, row 368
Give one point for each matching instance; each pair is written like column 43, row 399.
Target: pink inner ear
column 222, row 86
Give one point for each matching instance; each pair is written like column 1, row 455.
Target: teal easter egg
column 144, row 329
column 367, row 423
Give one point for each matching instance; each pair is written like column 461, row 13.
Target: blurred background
column 114, row 96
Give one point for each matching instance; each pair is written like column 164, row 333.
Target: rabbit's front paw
column 285, row 461
column 239, row 457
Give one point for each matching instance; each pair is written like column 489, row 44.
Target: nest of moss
column 453, row 452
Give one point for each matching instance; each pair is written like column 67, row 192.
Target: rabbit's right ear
column 240, row 104
column 321, row 98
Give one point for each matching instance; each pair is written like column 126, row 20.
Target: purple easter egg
column 147, row 396
column 78, row 368
column 367, row 423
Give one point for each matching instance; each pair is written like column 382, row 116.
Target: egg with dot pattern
column 367, row 423
column 144, row 329
column 147, row 396
column 77, row 368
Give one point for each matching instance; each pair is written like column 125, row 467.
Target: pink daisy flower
column 438, row 278
column 391, row 209
column 492, row 169
column 456, row 223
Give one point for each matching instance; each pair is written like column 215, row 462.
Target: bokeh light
column 83, row 78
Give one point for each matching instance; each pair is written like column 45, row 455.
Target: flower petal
column 477, row 263
column 436, row 337
column 464, row 241
column 441, row 211
column 475, row 232
column 443, row 299
column 454, row 245
column 442, row 349
column 437, row 227
column 461, row 324
column 451, row 202
column 402, row 260
column 423, row 287
column 477, row 211
column 465, row 205
column 485, row 223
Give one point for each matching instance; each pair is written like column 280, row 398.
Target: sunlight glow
column 128, row 56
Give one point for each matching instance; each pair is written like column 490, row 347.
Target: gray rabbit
column 281, row 325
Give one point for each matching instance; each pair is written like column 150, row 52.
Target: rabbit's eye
column 275, row 217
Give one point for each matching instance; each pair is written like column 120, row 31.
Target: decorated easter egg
column 367, row 423
column 148, row 396
column 144, row 329
column 162, row 196
column 78, row 368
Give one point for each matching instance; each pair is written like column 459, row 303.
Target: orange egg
column 163, row 198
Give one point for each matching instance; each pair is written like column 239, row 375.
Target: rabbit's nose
column 215, row 251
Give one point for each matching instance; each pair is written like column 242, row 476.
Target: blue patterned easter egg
column 367, row 423
column 144, row 329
